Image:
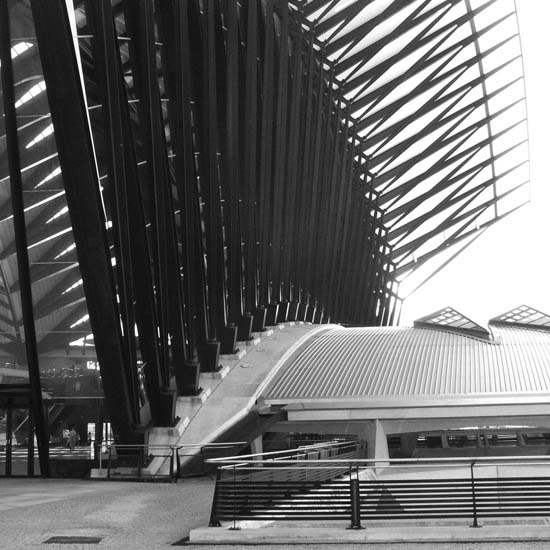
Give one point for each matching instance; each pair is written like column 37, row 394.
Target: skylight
column 49, row 177
column 72, row 287
column 20, row 48
column 87, row 340
column 58, row 214
column 37, row 89
column 65, row 251
column 48, row 131
column 80, row 321
column 450, row 319
column 523, row 316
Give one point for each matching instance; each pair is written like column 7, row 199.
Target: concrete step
column 218, row 375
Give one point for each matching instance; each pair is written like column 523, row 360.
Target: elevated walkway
column 230, row 394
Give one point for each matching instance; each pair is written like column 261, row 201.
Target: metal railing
column 245, row 482
column 131, row 461
column 254, row 488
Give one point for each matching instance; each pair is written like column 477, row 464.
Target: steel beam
column 20, row 229
column 81, row 183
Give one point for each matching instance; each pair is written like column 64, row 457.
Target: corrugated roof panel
column 370, row 361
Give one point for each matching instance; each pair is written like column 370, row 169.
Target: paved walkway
column 151, row 516
column 125, row 515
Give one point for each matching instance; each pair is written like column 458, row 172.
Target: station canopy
column 434, row 91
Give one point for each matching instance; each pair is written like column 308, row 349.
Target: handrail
column 265, row 490
column 377, row 461
column 173, row 453
column 298, row 450
column 203, row 445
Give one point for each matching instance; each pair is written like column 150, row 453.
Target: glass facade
column 72, row 395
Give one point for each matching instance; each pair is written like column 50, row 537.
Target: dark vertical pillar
column 230, row 181
column 98, row 439
column 303, row 204
column 180, row 86
column 171, row 342
column 320, row 159
column 279, row 249
column 245, row 328
column 210, row 177
column 9, row 438
column 135, row 287
column 249, row 161
column 259, row 319
column 265, row 181
column 80, row 178
column 290, row 261
column 23, row 271
column 30, row 446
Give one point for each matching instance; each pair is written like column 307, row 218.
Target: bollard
column 355, row 504
column 109, row 464
column 178, row 465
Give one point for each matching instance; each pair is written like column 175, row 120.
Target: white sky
column 510, row 264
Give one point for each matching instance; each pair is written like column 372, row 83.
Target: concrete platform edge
column 319, row 535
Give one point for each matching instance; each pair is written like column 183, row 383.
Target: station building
column 179, row 178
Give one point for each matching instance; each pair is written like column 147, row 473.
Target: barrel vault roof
column 415, row 361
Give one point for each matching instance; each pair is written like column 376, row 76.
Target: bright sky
column 510, row 264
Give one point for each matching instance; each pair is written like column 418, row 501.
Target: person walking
column 72, row 438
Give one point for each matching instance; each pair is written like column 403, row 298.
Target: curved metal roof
column 401, row 361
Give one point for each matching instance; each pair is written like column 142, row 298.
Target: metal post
column 9, row 436
column 172, row 463
column 30, row 446
column 214, row 522
column 355, row 504
column 234, row 528
column 475, row 523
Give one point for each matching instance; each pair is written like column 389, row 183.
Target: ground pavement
column 139, row 516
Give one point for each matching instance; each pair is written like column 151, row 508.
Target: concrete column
column 257, row 446
column 408, row 444
column 377, row 443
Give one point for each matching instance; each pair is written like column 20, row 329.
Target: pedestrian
column 73, row 437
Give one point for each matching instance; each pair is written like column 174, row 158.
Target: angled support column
column 180, row 87
column 81, row 181
column 127, row 209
